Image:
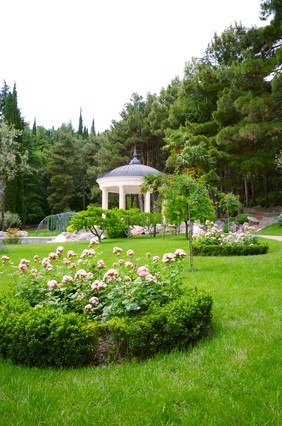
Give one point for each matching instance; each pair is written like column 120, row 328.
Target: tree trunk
column 265, row 190
column 253, row 192
column 186, row 230
column 191, row 246
column 246, row 188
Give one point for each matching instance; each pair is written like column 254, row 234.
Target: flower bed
column 214, row 242
column 71, row 309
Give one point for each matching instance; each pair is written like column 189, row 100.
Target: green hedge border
column 49, row 337
column 228, row 250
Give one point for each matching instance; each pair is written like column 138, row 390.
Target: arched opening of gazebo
column 124, row 180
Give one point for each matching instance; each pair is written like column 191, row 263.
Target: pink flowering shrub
column 84, row 284
column 71, row 309
column 215, row 242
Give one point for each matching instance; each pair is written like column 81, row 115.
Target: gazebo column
column 147, row 202
column 121, row 197
column 105, row 199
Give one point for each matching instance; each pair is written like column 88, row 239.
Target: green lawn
column 273, row 229
column 230, row 378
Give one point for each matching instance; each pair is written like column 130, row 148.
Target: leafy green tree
column 11, row 160
column 230, row 204
column 191, row 149
column 93, row 219
column 186, row 200
column 14, row 192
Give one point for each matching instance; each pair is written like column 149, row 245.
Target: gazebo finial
column 135, row 157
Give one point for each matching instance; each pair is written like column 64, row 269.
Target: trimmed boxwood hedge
column 174, row 326
column 228, row 249
column 50, row 337
column 44, row 337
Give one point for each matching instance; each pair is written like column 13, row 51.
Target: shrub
column 228, row 225
column 279, row 219
column 61, row 314
column 49, row 337
column 11, row 220
column 12, row 236
column 176, row 325
column 228, row 250
column 116, row 223
column 242, row 218
column 216, row 243
column 42, row 337
column 83, row 284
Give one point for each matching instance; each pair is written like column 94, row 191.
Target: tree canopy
column 222, row 123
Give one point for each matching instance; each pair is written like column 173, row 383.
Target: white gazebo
column 124, row 180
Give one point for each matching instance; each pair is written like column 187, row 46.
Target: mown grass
column 273, row 229
column 230, row 378
column 41, row 233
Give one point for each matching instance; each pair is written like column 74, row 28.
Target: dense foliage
column 222, row 121
column 214, row 242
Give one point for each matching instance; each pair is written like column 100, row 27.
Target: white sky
column 93, row 54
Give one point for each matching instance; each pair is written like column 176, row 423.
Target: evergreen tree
column 35, row 183
column 34, row 127
column 85, row 133
column 61, row 171
column 80, row 124
column 3, row 95
column 92, row 130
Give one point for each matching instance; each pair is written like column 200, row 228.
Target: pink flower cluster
column 100, row 264
column 52, row 284
column 129, row 265
column 98, row 285
column 23, row 265
column 110, row 275
column 117, row 250
column 180, row 253
column 142, row 271
column 81, row 273
column 5, row 259
column 59, row 250
column 124, row 280
column 67, row 279
column 94, row 300
column 171, row 257
column 168, row 257
column 87, row 252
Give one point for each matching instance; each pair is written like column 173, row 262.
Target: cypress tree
column 92, row 130
column 85, row 133
column 34, row 127
column 3, row 95
column 80, row 124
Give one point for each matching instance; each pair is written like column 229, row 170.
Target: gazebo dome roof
column 134, row 168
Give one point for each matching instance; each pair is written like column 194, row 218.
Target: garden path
column 272, row 237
